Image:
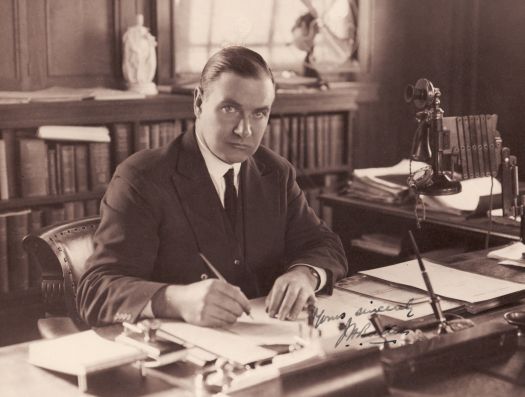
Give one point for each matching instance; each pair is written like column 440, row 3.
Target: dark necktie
column 230, row 197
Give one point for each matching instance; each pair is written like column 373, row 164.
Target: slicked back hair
column 235, row 59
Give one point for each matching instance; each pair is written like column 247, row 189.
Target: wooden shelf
column 167, row 107
column 19, row 203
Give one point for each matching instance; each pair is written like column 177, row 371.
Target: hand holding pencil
column 210, row 303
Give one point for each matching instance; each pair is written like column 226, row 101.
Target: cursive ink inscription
column 350, row 330
column 387, row 308
column 320, row 317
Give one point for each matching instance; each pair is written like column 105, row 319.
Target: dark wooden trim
column 46, row 200
column 456, row 222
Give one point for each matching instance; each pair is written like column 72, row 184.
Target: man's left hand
column 290, row 292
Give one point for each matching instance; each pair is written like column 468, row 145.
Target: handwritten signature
column 350, row 330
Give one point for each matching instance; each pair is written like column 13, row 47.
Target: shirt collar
column 216, row 167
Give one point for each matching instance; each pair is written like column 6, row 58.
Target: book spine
column 11, row 161
column 154, row 136
column 4, row 261
column 285, row 137
column 266, row 137
column 294, row 140
column 52, row 171
column 17, row 228
column 319, row 141
column 35, row 224
column 275, row 136
column 99, row 165
column 122, row 143
column 58, row 152
column 54, row 215
column 310, row 142
column 69, row 210
column 301, row 152
column 33, row 167
column 67, row 166
column 79, row 210
column 81, row 167
column 142, row 137
column 177, row 129
column 92, row 207
column 4, row 188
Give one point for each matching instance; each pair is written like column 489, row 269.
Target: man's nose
column 244, row 128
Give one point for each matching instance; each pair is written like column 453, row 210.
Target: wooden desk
column 19, row 378
column 352, row 217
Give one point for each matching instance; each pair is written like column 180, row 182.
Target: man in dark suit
column 213, row 191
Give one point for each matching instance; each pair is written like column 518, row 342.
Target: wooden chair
column 61, row 252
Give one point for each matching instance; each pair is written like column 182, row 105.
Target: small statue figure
column 139, row 61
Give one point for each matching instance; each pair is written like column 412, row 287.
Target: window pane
column 204, row 26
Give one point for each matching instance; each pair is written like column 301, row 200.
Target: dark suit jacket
column 161, row 209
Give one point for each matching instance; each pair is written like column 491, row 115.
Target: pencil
column 218, row 275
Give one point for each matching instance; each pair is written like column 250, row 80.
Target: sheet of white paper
column 218, row 341
column 446, row 281
column 513, row 252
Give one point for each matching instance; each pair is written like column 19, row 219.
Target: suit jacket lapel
column 261, row 207
column 200, row 200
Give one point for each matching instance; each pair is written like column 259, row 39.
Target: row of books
column 18, row 272
column 128, row 139
column 35, row 167
column 314, row 141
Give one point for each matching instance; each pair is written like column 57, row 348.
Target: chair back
column 62, row 251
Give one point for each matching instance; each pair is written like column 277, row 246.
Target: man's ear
column 197, row 101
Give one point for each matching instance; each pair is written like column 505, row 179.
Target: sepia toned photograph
column 303, row 198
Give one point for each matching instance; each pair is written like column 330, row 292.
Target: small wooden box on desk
column 353, row 217
column 313, row 130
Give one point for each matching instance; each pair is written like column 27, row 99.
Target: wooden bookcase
column 340, row 104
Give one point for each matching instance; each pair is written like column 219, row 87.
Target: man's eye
column 259, row 115
column 228, row 109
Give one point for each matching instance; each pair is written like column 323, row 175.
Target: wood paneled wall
column 64, row 42
column 472, row 50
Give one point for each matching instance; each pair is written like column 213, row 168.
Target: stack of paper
column 81, row 353
column 74, row 133
column 380, row 243
column 474, row 197
column 384, row 184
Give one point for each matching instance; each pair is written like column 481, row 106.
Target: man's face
column 232, row 115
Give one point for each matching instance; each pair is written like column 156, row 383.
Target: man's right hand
column 210, row 303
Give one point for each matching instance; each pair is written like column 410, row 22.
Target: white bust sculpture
column 139, row 61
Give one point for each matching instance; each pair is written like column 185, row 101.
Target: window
column 204, row 26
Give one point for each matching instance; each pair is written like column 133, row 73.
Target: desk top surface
column 458, row 222
column 18, row 377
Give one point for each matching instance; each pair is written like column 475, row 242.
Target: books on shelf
column 17, row 271
column 310, row 142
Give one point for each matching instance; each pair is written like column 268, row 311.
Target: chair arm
column 52, row 276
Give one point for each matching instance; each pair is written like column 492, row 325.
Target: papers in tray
column 384, row 184
column 476, row 290
column 473, row 198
